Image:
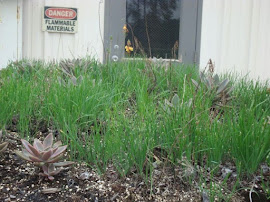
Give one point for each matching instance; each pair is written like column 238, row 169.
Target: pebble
column 12, row 196
column 226, row 171
column 85, row 176
column 265, row 169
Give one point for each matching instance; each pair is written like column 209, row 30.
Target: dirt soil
column 19, row 181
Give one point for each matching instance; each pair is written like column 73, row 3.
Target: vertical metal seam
column 198, row 30
column 17, row 30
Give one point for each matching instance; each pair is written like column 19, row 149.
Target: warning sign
column 59, row 19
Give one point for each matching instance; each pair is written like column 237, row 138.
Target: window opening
column 152, row 28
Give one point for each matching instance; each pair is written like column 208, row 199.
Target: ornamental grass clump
column 45, row 154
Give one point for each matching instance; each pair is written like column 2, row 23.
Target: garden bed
column 137, row 131
column 20, row 182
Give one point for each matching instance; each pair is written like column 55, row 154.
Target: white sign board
column 59, row 19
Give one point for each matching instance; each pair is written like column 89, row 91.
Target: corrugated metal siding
column 10, row 31
column 43, row 45
column 236, row 35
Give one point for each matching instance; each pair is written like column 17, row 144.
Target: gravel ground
column 20, row 182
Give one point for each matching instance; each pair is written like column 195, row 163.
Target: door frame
column 189, row 33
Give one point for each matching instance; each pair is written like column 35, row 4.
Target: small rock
column 258, row 178
column 157, row 172
column 225, row 172
column 205, row 197
column 234, row 175
column 265, row 169
column 12, row 196
column 85, row 176
column 50, row 190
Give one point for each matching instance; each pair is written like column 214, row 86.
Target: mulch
column 19, row 181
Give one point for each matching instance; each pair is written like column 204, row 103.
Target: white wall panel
column 236, row 36
column 49, row 46
column 10, row 31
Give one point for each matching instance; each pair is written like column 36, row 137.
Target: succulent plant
column 67, row 67
column 174, row 104
column 45, row 154
column 221, row 89
column 4, row 145
column 51, row 169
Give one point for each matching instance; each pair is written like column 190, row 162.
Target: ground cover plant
column 45, row 154
column 145, row 119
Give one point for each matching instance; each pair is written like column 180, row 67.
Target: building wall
column 49, row 46
column 236, row 36
column 10, row 31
